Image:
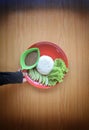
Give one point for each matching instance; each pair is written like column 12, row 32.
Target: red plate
column 52, row 50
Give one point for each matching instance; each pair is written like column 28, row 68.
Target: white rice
column 45, row 65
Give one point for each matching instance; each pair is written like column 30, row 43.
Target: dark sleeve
column 11, row 77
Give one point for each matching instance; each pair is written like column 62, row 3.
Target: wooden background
column 63, row 107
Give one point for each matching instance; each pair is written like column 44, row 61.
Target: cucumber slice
column 37, row 75
column 40, row 78
column 46, row 81
column 34, row 75
column 43, row 79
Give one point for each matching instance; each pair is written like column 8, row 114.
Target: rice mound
column 45, row 65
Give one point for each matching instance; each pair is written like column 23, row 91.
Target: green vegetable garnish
column 60, row 63
column 36, row 76
column 58, row 72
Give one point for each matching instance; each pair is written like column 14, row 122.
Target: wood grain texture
column 63, row 107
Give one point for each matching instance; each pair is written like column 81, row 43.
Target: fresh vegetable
column 36, row 76
column 58, row 72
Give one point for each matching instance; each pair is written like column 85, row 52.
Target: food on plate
column 36, row 76
column 56, row 74
column 31, row 58
column 45, row 65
